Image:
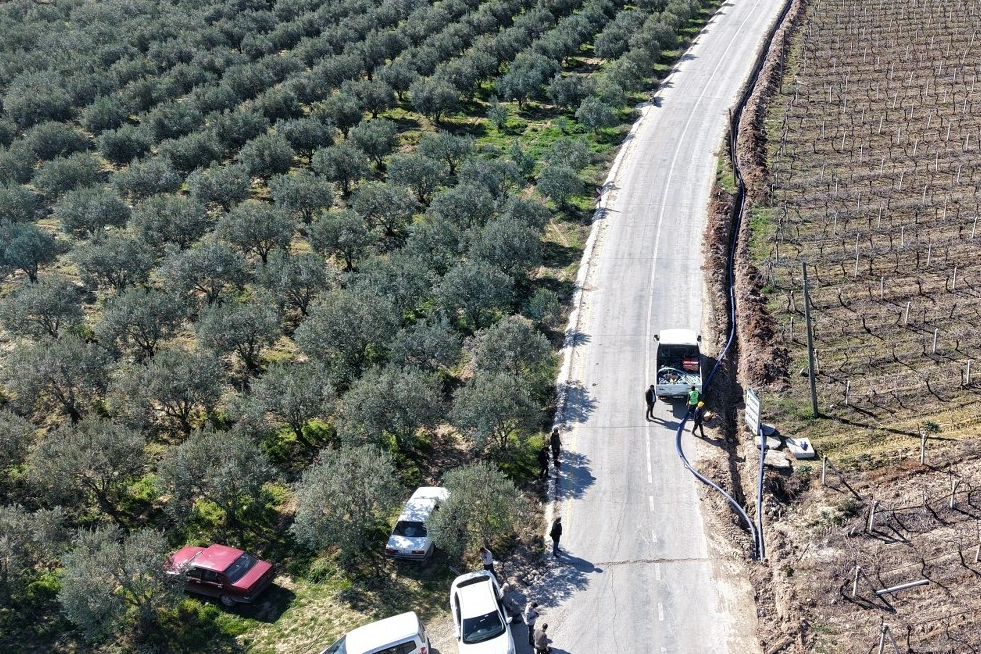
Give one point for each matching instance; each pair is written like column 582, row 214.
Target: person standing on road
column 543, row 462
column 541, row 640
column 693, row 397
column 556, row 533
column 530, row 615
column 650, row 396
column 556, row 442
column 487, row 558
column 698, row 417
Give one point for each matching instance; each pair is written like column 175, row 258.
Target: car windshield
column 481, row 628
column 237, row 570
column 336, row 648
column 409, row 529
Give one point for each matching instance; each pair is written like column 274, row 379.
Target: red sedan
column 220, row 571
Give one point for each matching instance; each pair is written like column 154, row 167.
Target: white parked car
column 399, row 634
column 410, row 537
column 481, row 623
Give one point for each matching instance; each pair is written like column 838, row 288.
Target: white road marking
column 650, row 500
column 660, row 612
column 657, row 571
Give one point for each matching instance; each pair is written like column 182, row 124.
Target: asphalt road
column 639, row 573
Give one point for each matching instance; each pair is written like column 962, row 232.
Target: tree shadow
column 269, row 607
column 561, row 578
column 575, row 403
column 577, row 477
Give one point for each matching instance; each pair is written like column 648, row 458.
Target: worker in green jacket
column 693, row 397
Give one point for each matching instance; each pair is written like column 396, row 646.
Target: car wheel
column 227, row 601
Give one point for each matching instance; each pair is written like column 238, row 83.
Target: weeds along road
column 639, row 573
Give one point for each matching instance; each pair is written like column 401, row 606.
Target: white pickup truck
column 679, row 363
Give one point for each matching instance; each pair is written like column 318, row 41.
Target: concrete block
column 772, row 443
column 776, row 460
column 800, row 448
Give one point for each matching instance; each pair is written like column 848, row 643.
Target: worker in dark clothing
column 556, row 442
column 693, row 397
column 556, row 533
column 543, row 462
column 698, row 417
column 650, row 396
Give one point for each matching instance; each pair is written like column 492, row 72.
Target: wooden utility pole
column 811, row 372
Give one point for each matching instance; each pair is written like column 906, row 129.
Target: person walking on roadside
column 698, row 417
column 530, row 615
column 693, row 397
column 556, row 442
column 556, row 533
column 543, row 462
column 487, row 558
column 541, row 640
column 650, row 396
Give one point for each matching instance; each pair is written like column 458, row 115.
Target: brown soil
column 885, row 519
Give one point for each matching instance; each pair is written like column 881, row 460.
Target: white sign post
column 753, row 412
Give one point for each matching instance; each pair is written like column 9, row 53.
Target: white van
column 399, row 634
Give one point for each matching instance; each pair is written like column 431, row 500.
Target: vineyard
column 255, row 254
column 870, row 177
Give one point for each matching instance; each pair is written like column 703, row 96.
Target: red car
column 220, row 571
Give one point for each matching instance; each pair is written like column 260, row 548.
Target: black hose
column 739, row 203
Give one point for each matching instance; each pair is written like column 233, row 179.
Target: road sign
column 752, row 411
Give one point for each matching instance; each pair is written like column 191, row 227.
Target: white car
column 399, row 634
column 481, row 623
column 410, row 537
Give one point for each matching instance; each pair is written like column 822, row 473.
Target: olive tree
column 170, row 219
column 483, row 505
column 225, row 186
column 508, row 245
column 141, row 590
column 347, row 330
column 47, row 308
column 344, row 499
column 225, row 468
column 18, row 204
column 595, row 114
column 244, row 329
column 493, row 409
column 266, row 155
column 208, row 269
column 301, row 193
column 446, row 147
column 376, row 138
column 514, row 346
column 421, row 174
column 473, row 292
column 139, row 319
column 174, row 390
column 64, row 375
column 147, row 177
column 344, row 163
column 384, row 205
column 17, row 436
column 289, row 394
column 343, row 234
column 93, row 461
column 27, row 247
column 63, row 174
column 292, row 281
column 391, row 402
column 256, row 228
column 117, row 261
column 31, row 543
column 87, row 212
